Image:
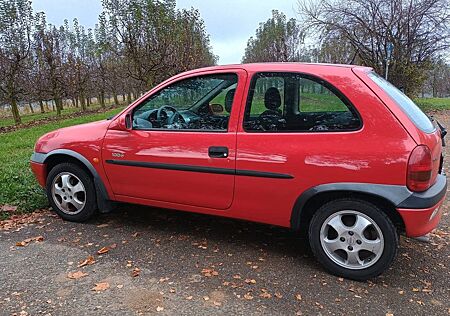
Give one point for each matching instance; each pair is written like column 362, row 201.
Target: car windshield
column 414, row 113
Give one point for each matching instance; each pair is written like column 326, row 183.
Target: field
column 17, row 184
column 433, row 104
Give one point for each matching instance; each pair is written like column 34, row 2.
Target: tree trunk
column 88, row 101
column 41, row 105
column 116, row 100
column 123, row 97
column 31, row 108
column 15, row 112
column 82, row 102
column 102, row 99
column 58, row 105
column 129, row 97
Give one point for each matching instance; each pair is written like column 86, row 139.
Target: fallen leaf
column 135, row 272
column 8, row 208
column 250, row 281
column 102, row 225
column 298, row 297
column 99, row 287
column 119, row 286
column 278, row 295
column 88, row 261
column 248, row 296
column 265, row 294
column 25, row 242
column 159, row 309
column 103, row 250
column 206, row 298
column 76, row 275
column 189, row 298
column 209, row 272
column 217, row 303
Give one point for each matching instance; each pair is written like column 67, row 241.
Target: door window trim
column 317, row 79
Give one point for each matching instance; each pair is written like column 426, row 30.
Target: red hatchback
column 332, row 150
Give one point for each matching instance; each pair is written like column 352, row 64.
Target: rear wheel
column 71, row 192
column 353, row 238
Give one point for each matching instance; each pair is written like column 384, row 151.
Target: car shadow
column 274, row 240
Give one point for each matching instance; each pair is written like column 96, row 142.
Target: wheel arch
column 386, row 197
column 55, row 157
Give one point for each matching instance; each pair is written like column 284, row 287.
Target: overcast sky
column 230, row 23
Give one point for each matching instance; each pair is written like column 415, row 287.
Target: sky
column 229, row 23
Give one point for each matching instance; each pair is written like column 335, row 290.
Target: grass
column 17, row 183
column 26, row 118
column 433, row 104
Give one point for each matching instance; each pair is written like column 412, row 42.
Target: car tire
column 71, row 192
column 353, row 239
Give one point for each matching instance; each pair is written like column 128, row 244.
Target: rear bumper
column 40, row 172
column 422, row 211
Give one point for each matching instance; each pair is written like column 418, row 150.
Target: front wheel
column 353, row 239
column 71, row 192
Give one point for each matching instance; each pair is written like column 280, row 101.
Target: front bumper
column 422, row 211
column 40, row 172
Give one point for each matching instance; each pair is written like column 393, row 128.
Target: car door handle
column 218, row 152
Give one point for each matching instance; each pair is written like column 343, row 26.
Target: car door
column 182, row 144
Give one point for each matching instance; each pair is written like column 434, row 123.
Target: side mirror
column 125, row 122
column 216, row 108
column 128, row 123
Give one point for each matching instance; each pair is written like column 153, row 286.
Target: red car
column 332, row 150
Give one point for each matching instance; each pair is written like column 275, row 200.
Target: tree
column 16, row 24
column 437, row 83
column 276, row 40
column 156, row 40
column 49, row 56
column 418, row 30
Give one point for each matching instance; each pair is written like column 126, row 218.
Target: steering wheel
column 172, row 118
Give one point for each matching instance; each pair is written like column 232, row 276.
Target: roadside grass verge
column 17, row 184
column 38, row 116
column 433, row 104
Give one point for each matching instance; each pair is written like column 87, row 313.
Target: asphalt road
column 173, row 263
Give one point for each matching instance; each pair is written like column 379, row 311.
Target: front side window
column 292, row 102
column 414, row 113
column 198, row 103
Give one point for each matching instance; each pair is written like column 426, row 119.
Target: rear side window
column 294, row 102
column 414, row 113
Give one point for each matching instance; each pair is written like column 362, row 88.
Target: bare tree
column 418, row 30
column 15, row 50
column 277, row 39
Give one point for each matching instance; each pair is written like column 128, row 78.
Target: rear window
column 414, row 113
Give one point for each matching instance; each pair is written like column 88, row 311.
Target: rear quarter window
column 414, row 113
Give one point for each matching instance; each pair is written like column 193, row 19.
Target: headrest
column 272, row 99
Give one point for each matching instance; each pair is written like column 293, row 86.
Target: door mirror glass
column 216, row 108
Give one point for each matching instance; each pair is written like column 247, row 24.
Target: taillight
column 420, row 168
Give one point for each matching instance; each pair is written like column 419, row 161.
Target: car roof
column 257, row 67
